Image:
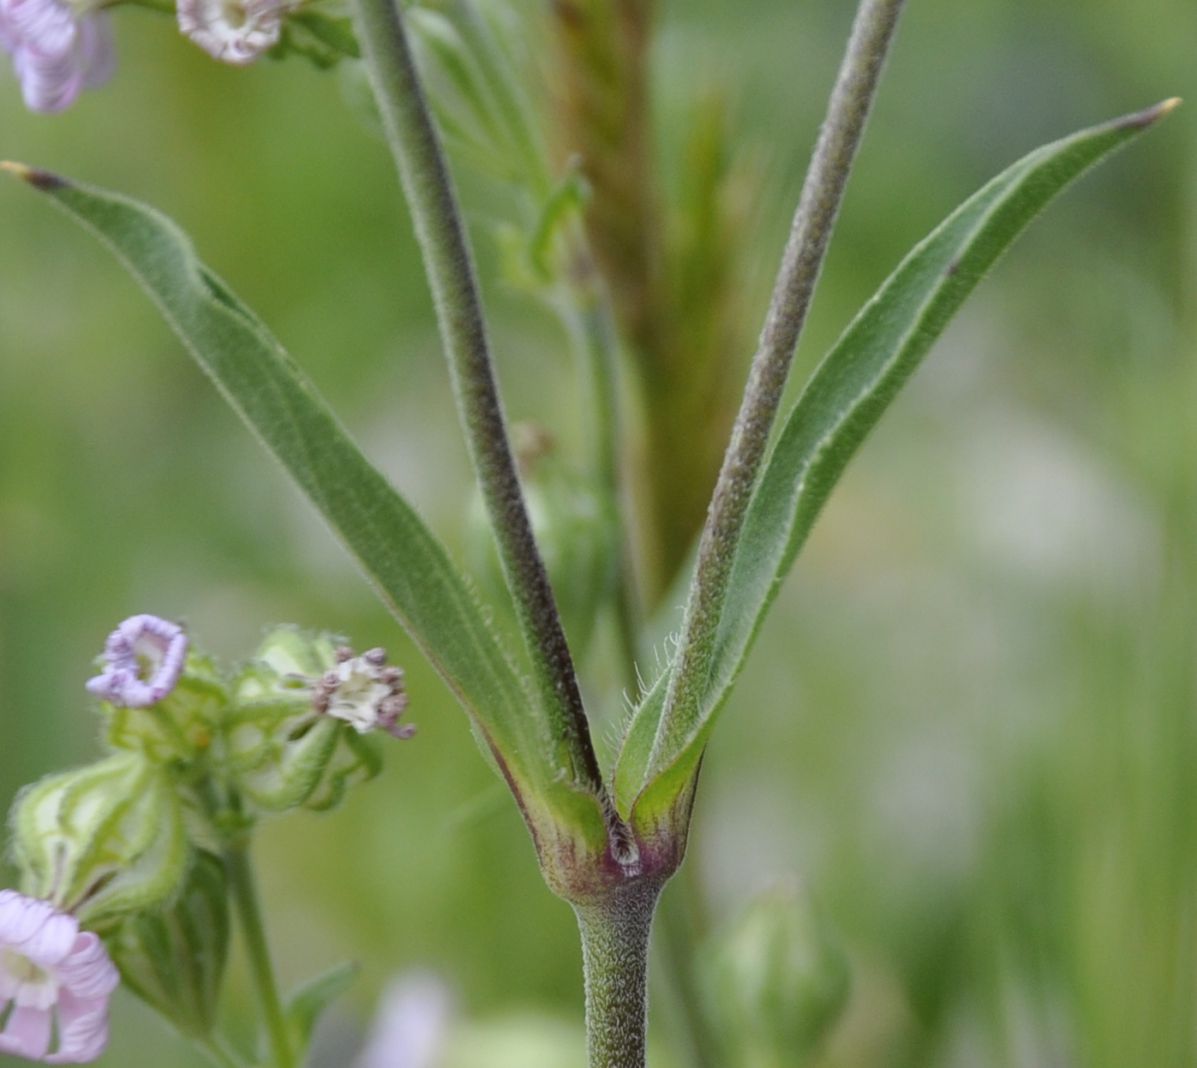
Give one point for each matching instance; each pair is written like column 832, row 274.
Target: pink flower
column 144, row 658
column 55, row 51
column 55, row 981
column 233, row 31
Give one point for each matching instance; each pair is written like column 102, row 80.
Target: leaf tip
column 43, row 180
column 1140, row 120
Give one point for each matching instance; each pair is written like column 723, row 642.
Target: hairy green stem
column 615, row 933
column 239, row 871
column 449, row 263
column 814, row 220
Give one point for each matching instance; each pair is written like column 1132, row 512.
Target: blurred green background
column 970, row 729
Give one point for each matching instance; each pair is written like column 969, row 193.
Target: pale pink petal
column 52, row 942
column 27, row 1033
column 88, row 972
column 21, row 916
column 162, row 643
column 82, row 1029
column 37, row 994
column 55, row 982
column 36, row 929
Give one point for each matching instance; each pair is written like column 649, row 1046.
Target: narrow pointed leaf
column 307, row 1004
column 406, row 563
column 839, row 406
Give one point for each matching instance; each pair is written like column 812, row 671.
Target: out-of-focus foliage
column 971, row 723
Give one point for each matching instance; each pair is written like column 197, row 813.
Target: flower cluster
column 130, row 846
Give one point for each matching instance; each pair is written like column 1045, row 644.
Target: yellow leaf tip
column 38, row 179
column 1140, row 120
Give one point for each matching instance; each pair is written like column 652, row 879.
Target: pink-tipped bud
column 143, row 660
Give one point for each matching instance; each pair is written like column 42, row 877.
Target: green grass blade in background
column 407, row 564
column 839, row 406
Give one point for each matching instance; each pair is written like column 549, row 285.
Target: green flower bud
column 775, row 982
column 573, row 529
column 174, row 957
column 295, row 735
column 103, row 840
column 179, row 728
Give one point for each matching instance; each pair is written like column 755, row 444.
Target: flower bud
column 301, row 709
column 103, row 840
column 161, row 698
column 775, row 982
column 174, row 957
column 180, row 728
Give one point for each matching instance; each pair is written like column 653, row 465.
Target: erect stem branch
column 449, row 263
column 586, row 311
column 814, row 220
column 615, row 933
column 249, row 912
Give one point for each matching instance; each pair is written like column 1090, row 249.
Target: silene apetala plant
column 136, row 868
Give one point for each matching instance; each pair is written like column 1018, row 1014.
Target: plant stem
column 587, row 313
column 449, row 264
column 814, row 220
column 615, row 933
column 245, row 899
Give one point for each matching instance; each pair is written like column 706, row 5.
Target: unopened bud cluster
column 128, row 846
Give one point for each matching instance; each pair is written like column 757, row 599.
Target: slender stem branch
column 587, row 312
column 245, row 899
column 615, row 933
column 814, row 220
column 449, row 263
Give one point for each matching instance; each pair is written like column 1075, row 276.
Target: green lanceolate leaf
column 839, row 406
column 407, row 564
column 305, row 1005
